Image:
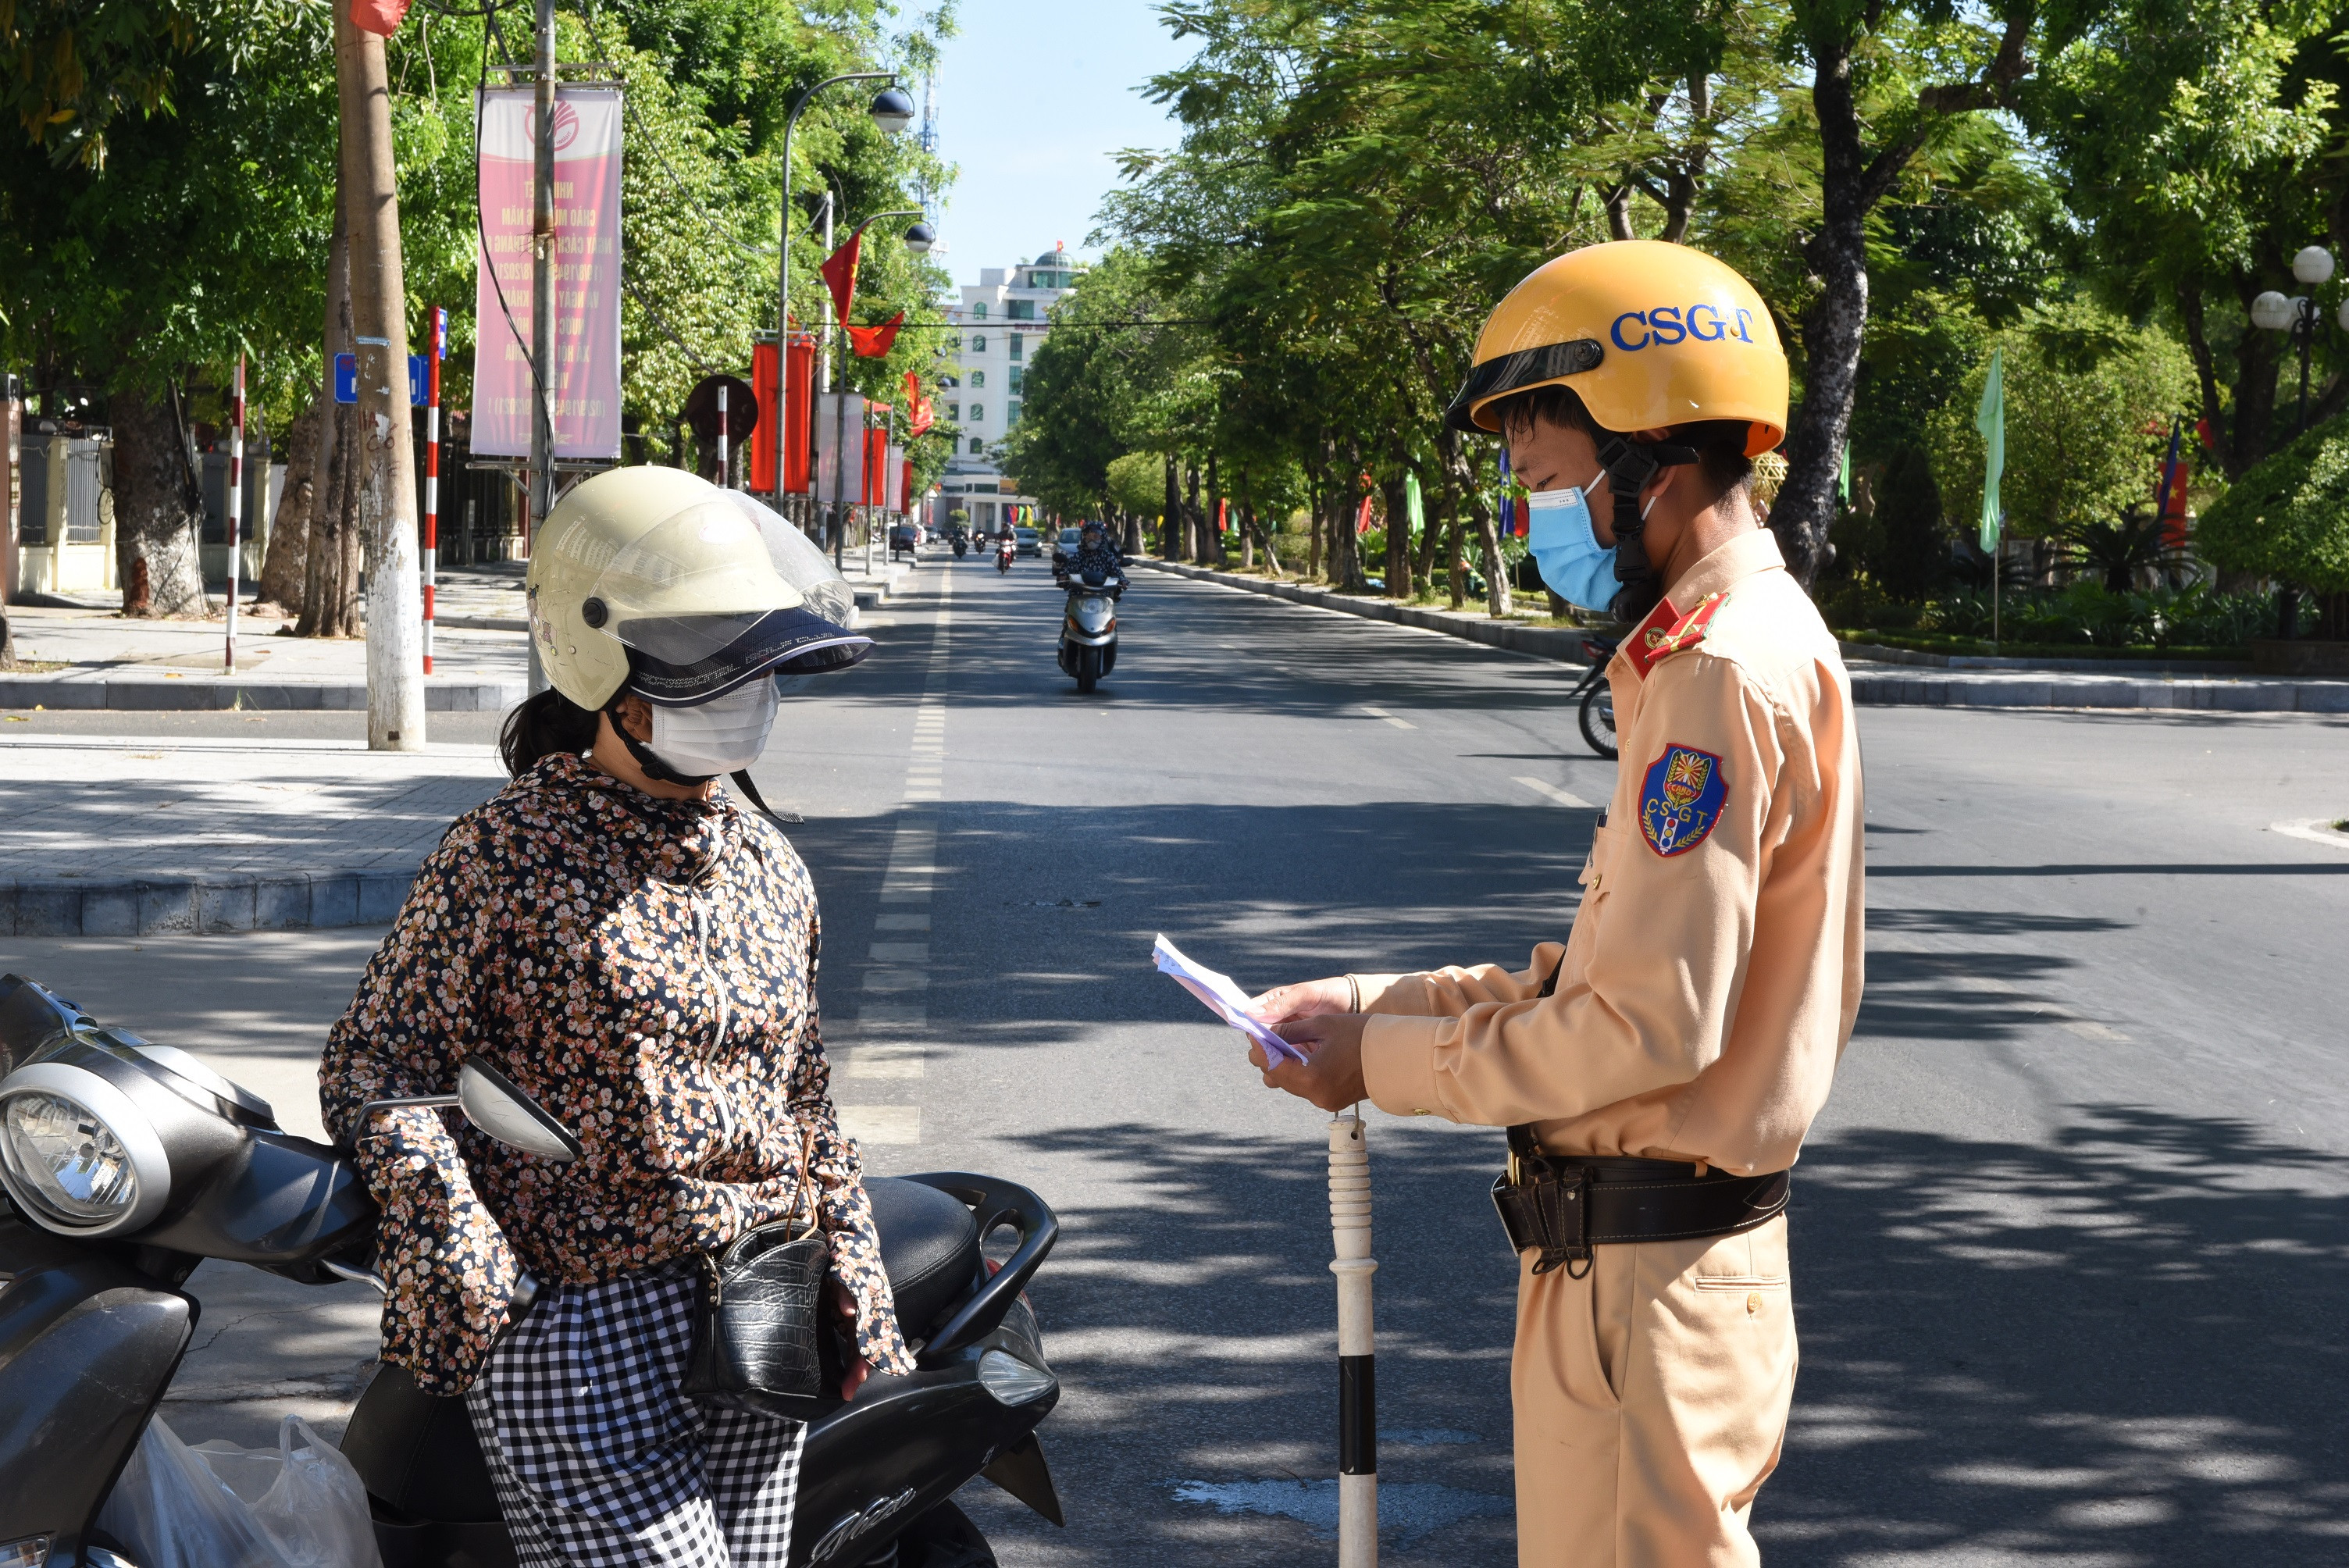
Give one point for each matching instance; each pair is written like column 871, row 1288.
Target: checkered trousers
column 600, row 1462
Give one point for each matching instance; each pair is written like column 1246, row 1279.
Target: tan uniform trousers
column 1651, row 1398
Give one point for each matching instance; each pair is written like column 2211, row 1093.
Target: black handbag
column 760, row 1338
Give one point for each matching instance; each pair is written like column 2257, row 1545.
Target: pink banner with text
column 584, row 370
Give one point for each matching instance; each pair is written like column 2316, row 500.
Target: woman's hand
column 1310, row 999
column 859, row 1368
column 1331, row 1074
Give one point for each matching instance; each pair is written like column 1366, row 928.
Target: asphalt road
column 2068, row 1242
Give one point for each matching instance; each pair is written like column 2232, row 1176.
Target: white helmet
column 655, row 581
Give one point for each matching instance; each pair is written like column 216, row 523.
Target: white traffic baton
column 1358, row 1418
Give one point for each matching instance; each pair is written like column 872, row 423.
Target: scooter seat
column 930, row 1248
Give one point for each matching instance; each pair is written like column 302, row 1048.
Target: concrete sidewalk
column 480, row 653
column 1873, row 683
column 122, row 836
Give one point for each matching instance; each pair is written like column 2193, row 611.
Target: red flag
column 919, row 412
column 839, row 275
column 872, row 342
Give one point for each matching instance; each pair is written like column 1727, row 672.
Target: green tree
column 2089, row 400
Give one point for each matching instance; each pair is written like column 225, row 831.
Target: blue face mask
column 1565, row 546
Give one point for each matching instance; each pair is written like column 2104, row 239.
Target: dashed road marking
column 882, row 1124
column 1380, row 713
column 1559, row 797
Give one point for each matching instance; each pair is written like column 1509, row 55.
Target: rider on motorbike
column 637, row 954
column 1096, row 560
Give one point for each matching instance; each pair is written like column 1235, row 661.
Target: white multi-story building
column 1000, row 323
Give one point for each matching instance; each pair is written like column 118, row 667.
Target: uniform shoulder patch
column 1667, row 630
column 1681, row 799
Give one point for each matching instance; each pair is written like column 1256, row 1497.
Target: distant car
column 906, row 537
column 1030, row 542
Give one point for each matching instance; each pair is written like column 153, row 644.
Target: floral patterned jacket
column 645, row 970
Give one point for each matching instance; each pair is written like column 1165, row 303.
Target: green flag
column 1411, row 506
column 1991, row 421
column 1843, row 481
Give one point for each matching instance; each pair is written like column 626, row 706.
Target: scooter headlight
column 77, row 1155
column 1011, row 1381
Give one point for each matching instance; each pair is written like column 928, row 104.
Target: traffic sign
column 347, row 378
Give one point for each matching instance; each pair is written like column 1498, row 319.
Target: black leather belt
column 1564, row 1205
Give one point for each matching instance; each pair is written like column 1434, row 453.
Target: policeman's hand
column 1331, row 1074
column 1309, row 1000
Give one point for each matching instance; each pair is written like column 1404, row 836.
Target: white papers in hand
column 1224, row 999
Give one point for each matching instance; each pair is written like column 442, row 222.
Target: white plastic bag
column 170, row 1511
column 216, row 1505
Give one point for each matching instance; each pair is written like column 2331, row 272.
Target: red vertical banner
column 762, row 389
column 876, row 463
column 581, row 373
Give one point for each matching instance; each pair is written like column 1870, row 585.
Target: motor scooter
column 1089, row 629
column 1004, row 550
column 961, row 544
column 1598, row 698
column 125, row 1163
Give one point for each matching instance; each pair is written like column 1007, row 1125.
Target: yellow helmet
column 655, row 580
column 1648, row 334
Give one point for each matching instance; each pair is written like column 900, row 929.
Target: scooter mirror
column 492, row 1103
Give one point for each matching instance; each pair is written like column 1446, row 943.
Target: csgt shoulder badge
column 1679, row 801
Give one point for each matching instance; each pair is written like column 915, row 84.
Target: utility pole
column 545, row 370
column 386, row 488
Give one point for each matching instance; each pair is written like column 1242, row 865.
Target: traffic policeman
column 1659, row 1070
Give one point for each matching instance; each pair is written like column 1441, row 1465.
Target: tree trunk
column 1214, row 514
column 1496, row 568
column 1170, row 526
column 1397, row 500
column 327, row 596
column 332, row 562
column 157, row 510
column 386, row 486
column 1195, row 544
column 1458, row 543
column 282, row 568
column 1833, row 328
column 1431, row 530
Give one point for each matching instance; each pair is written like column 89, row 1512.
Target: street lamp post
column 893, row 111
column 2297, row 315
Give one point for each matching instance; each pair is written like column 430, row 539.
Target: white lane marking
column 2089, row 1029
column 893, row 1060
column 882, row 1124
column 1382, row 713
column 901, row 953
column 902, row 923
column 1558, row 797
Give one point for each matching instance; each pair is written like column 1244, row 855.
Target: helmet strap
column 655, row 769
column 1630, row 465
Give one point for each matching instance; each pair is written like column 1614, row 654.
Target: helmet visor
column 718, row 594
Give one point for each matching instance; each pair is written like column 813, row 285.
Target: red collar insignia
column 1667, row 630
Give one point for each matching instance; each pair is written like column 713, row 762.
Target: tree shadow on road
column 1193, row 1327
column 2124, row 1348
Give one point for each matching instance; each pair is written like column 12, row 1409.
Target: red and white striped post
column 235, row 501
column 440, row 335
column 725, row 475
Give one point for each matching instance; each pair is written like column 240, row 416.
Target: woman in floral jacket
column 639, row 955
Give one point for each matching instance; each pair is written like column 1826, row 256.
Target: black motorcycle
column 1598, row 716
column 126, row 1163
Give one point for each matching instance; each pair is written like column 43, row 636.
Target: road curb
column 215, row 694
column 228, row 902
column 1562, row 643
column 1870, row 689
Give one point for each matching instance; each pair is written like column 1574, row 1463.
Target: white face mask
column 720, row 737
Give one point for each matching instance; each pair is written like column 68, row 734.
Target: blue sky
column 1034, row 103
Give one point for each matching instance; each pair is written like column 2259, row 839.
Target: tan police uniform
column 1704, row 996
